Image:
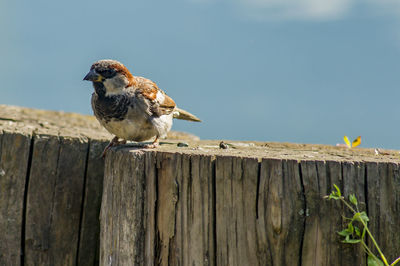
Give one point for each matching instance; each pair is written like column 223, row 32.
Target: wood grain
column 230, row 210
column 41, row 190
column 51, row 182
column 14, row 165
column 383, row 199
column 252, row 204
column 53, row 219
column 89, row 244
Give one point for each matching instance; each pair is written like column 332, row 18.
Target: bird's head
column 109, row 77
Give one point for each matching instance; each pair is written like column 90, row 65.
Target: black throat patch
column 109, row 108
column 99, row 88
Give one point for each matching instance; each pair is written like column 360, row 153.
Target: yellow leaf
column 347, row 141
column 356, row 142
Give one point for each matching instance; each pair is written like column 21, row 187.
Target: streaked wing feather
column 163, row 105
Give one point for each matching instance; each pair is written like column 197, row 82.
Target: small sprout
column 355, row 142
column 335, row 194
column 353, row 199
column 337, row 190
column 352, row 234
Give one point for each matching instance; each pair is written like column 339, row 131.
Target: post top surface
column 34, row 121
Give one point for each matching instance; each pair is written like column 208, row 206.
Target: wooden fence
column 250, row 204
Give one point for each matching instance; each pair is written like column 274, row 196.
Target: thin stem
column 395, row 262
column 348, row 205
column 368, row 251
column 373, row 240
column 366, row 228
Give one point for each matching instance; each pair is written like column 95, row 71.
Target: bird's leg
column 153, row 145
column 113, row 142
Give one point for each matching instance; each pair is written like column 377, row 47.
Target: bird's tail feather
column 185, row 115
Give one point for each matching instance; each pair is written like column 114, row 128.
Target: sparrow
column 130, row 107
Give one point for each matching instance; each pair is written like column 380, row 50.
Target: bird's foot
column 113, row 142
column 153, row 145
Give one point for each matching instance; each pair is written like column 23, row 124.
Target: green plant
column 354, row 233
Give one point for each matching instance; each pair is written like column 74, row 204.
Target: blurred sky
column 305, row 71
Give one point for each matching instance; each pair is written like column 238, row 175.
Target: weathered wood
column 46, row 227
column 236, row 190
column 203, row 209
column 125, row 217
column 55, row 201
column 51, row 179
column 89, row 244
column 14, row 164
column 322, row 218
column 251, row 204
column 282, row 210
column 43, row 176
column 383, row 198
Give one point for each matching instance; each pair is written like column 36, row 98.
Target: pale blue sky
column 295, row 71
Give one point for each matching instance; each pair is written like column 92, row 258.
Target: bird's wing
column 160, row 103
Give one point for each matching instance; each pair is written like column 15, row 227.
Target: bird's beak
column 93, row 76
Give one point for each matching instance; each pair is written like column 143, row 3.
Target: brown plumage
column 131, row 108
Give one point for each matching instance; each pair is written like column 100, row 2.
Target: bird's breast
column 128, row 129
column 129, row 118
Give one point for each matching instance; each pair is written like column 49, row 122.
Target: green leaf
column 344, row 232
column 332, row 196
column 351, row 241
column 357, row 230
column 364, row 217
column 374, row 261
column 337, row 190
column 361, row 216
column 350, row 227
column 353, row 199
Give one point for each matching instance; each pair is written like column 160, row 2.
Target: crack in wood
column 258, row 187
column 304, row 213
column 214, row 211
column 24, row 209
column 263, row 213
column 78, row 246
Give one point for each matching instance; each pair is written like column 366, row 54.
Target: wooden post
column 13, row 174
column 51, row 177
column 51, row 183
column 251, row 205
column 192, row 204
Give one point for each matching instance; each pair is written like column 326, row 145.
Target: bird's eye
column 108, row 73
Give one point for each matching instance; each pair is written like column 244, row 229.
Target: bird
column 131, row 107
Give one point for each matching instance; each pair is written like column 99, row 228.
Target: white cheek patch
column 115, row 85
